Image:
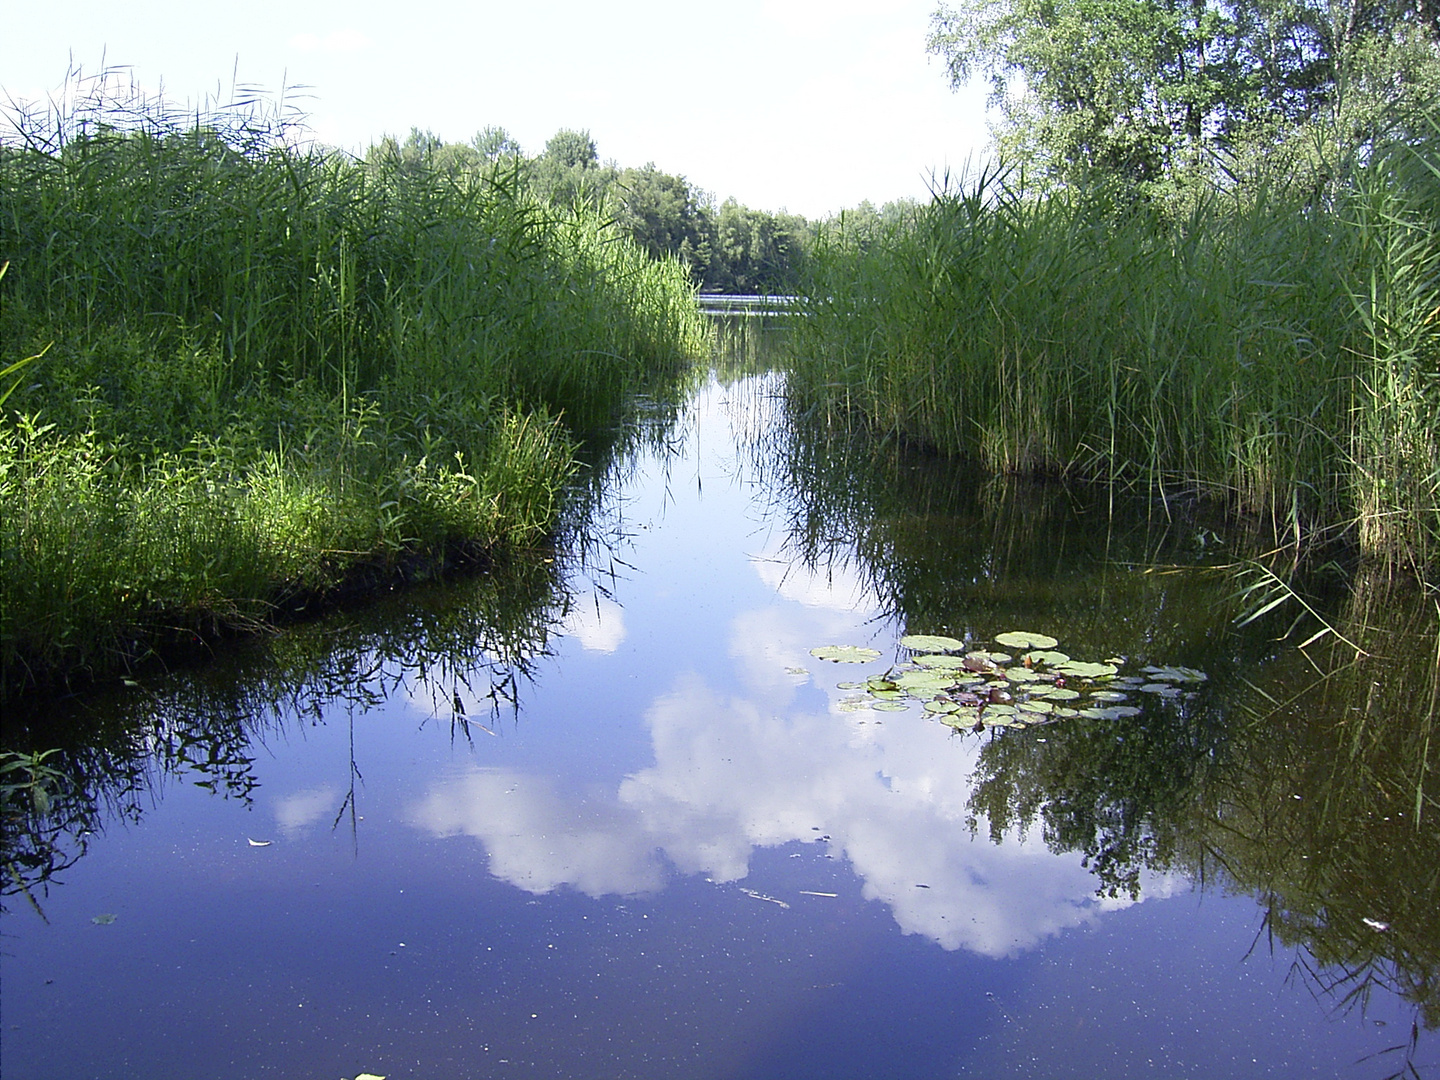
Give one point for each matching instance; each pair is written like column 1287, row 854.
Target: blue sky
column 808, row 105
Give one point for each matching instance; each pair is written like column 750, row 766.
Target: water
column 676, row 855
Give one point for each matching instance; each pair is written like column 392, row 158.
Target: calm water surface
column 680, row 856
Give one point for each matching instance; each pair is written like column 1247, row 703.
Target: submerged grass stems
column 1267, row 351
column 276, row 370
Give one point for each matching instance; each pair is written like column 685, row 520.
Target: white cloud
column 599, row 624
column 294, row 813
column 731, row 776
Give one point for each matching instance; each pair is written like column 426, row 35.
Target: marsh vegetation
column 272, row 374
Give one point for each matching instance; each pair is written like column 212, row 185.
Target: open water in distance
column 684, row 853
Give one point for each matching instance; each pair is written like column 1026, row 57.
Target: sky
column 810, row 106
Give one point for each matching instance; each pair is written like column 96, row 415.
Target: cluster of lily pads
column 972, row 689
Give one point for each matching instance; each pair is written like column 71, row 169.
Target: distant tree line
column 728, row 247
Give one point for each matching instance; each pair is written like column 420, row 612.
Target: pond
column 613, row 817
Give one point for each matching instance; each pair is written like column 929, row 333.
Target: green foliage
column 1222, row 353
column 276, row 371
column 1153, row 95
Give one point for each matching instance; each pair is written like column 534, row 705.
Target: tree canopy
column 1149, row 91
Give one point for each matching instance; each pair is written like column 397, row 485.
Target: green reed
column 271, row 371
column 1265, row 350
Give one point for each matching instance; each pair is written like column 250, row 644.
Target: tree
column 495, row 144
column 1146, row 92
column 569, row 172
column 666, row 215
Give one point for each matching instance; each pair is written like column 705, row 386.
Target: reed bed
column 272, row 372
column 1267, row 350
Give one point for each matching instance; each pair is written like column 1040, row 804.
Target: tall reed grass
column 270, row 364
column 1267, row 350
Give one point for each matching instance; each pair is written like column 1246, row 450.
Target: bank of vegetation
column 270, row 374
column 1207, row 264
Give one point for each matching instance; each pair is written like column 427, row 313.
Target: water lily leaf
column 941, row 705
column 1036, row 705
column 887, row 695
column 853, row 704
column 930, row 643
column 1056, row 693
column 369, row 1076
column 1160, row 689
column 845, row 654
column 1113, row 712
column 1047, row 657
column 1020, row 674
column 103, row 920
column 1084, row 670
column 796, row 671
column 1175, row 674
column 1019, row 639
column 941, row 662
column 1109, row 695
column 898, row 705
column 849, row 686
column 921, row 682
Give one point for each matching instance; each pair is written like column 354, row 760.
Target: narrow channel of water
column 617, row 820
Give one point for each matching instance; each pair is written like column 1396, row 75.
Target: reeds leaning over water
column 1276, row 352
column 270, row 365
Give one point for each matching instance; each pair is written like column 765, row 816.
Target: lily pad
column 1020, row 639
column 1047, row 658
column 849, row 686
column 891, row 705
column 1036, row 705
column 1110, row 695
column 1020, row 674
column 921, row 682
column 1084, row 670
column 1175, row 674
column 937, row 705
column 845, row 654
column 1056, row 693
column 1113, row 712
column 941, row 662
column 931, row 643
column 1160, row 689
column 103, row 920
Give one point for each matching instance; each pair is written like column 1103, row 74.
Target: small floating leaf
column 920, row 682
column 930, row 643
column 849, row 686
column 942, row 705
column 796, row 671
column 941, row 662
column 1083, row 670
column 1036, row 705
column 1047, row 657
column 1020, row 674
column 1175, row 674
column 889, row 705
column 1056, row 693
column 1109, row 695
column 1020, row 639
column 845, row 654
column 1160, row 689
column 1113, row 712
column 853, row 704
column 103, row 920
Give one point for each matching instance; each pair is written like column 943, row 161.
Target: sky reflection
column 757, row 754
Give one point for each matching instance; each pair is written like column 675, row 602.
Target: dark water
column 668, row 851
